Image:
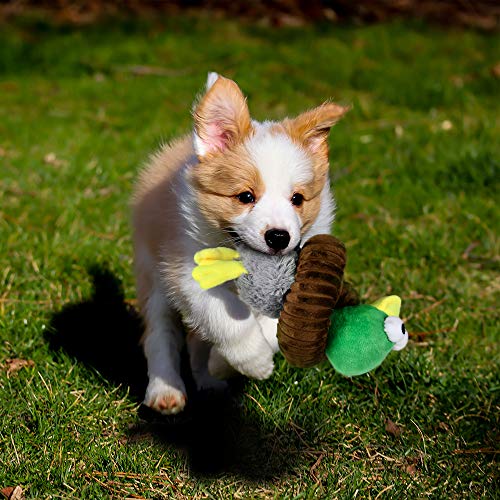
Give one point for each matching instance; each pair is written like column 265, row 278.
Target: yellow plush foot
column 216, row 266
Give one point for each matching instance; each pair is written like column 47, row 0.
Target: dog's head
column 262, row 181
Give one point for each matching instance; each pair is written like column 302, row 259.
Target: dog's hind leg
column 199, row 351
column 162, row 344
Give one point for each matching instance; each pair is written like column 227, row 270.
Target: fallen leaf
column 330, row 14
column 392, row 428
column 289, row 21
column 495, row 70
column 446, row 125
column 411, row 469
column 7, row 491
column 467, row 252
column 15, row 364
column 399, row 131
column 52, row 159
column 13, row 493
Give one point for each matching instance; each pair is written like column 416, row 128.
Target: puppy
column 233, row 178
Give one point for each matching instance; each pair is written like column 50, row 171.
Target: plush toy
column 319, row 314
column 262, row 280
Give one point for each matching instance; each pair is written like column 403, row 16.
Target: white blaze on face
column 283, row 166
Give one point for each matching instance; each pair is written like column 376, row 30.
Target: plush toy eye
column 396, row 332
column 246, row 197
column 297, row 199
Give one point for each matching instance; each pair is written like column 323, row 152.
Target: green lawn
column 415, row 171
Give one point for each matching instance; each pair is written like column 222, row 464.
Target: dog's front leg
column 162, row 344
column 199, row 353
column 246, row 351
column 218, row 365
column 233, row 329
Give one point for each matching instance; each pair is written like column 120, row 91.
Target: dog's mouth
column 234, row 235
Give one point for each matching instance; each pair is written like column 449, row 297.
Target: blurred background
column 481, row 14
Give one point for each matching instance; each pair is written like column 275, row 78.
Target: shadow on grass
column 103, row 332
column 216, row 431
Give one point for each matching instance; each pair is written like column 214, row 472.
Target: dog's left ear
column 221, row 118
column 310, row 129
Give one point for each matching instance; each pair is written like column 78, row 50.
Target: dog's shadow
column 217, row 431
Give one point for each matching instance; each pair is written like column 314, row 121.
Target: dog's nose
column 277, row 239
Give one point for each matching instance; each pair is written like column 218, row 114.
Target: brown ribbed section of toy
column 318, row 288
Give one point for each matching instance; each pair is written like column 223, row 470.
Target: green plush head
column 360, row 337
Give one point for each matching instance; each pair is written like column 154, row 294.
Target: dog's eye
column 297, row 199
column 246, row 197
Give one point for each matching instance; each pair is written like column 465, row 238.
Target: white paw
column 259, row 369
column 259, row 366
column 396, row 332
column 164, row 398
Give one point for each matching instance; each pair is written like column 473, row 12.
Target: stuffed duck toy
column 319, row 313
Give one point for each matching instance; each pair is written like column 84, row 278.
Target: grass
column 415, row 170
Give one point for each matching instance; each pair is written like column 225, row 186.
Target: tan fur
column 310, row 131
column 225, row 106
column 156, row 206
column 309, row 210
column 220, row 179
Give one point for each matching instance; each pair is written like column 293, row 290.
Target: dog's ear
column 310, row 129
column 221, row 118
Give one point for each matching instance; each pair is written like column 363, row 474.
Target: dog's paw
column 218, row 367
column 258, row 366
column 164, row 398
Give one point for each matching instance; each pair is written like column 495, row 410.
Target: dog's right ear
column 221, row 118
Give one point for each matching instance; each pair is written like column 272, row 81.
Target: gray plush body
column 269, row 278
